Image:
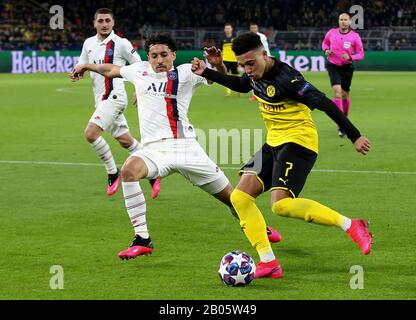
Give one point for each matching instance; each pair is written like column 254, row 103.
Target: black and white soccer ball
column 237, row 268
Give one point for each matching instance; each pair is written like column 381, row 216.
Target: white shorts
column 186, row 157
column 109, row 116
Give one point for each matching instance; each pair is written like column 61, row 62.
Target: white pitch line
column 86, row 164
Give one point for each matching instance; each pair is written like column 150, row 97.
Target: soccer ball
column 236, row 269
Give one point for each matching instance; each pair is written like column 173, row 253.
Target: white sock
column 346, row 224
column 103, row 150
column 136, row 207
column 134, row 146
column 267, row 257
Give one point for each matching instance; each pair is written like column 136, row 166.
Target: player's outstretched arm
column 107, row 70
column 235, row 83
column 361, row 143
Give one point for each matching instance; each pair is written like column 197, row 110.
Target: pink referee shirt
column 340, row 43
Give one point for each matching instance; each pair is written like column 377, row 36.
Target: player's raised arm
column 107, row 70
column 235, row 83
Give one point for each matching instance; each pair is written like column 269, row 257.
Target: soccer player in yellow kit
column 282, row 165
column 228, row 55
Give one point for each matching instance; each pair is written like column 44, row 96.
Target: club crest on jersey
column 144, row 73
column 271, row 91
column 109, row 52
column 347, row 45
column 172, row 75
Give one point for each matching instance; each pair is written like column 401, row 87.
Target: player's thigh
column 156, row 160
column 292, row 165
column 107, row 113
column 334, row 75
column 119, row 129
column 256, row 174
column 195, row 165
column 346, row 78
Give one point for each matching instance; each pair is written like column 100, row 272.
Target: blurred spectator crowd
column 24, row 25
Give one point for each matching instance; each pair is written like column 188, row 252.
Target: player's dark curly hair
column 246, row 42
column 160, row 38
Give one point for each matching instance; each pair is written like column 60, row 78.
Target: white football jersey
column 264, row 42
column 115, row 50
column 163, row 100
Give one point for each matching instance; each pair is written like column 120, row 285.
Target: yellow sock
column 308, row 210
column 228, row 91
column 251, row 221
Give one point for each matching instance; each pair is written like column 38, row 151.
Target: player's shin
column 252, row 223
column 310, row 211
column 346, row 106
column 136, row 207
column 103, row 150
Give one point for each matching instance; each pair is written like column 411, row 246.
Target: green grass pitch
column 57, row 213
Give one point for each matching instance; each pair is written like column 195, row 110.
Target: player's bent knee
column 91, row 134
column 128, row 174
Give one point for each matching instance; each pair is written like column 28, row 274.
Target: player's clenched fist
column 77, row 73
column 198, row 66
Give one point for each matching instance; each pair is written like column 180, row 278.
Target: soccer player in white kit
column 254, row 27
column 110, row 95
column 164, row 94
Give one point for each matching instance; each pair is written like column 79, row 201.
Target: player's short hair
column 349, row 16
column 246, row 42
column 160, row 38
column 228, row 24
column 103, row 11
column 253, row 23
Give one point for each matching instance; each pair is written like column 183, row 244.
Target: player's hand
column 198, row 66
column 328, row 52
column 213, row 56
column 346, row 56
column 362, row 145
column 77, row 73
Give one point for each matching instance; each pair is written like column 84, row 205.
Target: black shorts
column 284, row 167
column 340, row 75
column 231, row 67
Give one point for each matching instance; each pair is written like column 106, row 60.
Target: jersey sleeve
column 130, row 53
column 326, row 43
column 359, row 49
column 298, row 89
column 129, row 72
column 83, row 58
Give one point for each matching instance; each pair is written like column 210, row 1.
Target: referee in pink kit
column 342, row 46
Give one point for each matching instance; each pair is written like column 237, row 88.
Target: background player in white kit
column 254, row 27
column 169, row 145
column 110, row 95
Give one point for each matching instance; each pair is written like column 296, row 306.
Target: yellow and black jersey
column 285, row 101
column 227, row 51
